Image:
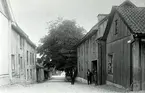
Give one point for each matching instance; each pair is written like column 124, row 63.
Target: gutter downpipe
column 131, row 63
column 135, row 37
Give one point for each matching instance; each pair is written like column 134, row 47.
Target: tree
column 62, row 35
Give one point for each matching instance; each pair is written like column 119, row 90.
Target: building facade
column 23, row 56
column 117, row 53
column 87, row 51
column 17, row 52
column 124, row 35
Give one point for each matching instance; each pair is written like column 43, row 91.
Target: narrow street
column 58, row 85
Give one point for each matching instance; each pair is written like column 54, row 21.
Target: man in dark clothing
column 89, row 76
column 73, row 75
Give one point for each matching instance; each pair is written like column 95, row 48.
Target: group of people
column 90, row 75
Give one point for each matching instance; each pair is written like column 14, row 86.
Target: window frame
column 110, row 61
column 116, row 26
column 21, row 42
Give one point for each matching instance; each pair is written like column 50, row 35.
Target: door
column 94, row 71
column 13, row 65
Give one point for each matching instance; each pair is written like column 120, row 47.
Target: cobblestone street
column 58, row 85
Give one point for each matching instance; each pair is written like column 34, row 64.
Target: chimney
column 101, row 16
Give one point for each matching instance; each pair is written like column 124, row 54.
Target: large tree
column 62, row 35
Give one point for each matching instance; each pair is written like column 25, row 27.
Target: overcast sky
column 32, row 15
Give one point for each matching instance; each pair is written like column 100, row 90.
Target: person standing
column 72, row 76
column 89, row 77
column 95, row 76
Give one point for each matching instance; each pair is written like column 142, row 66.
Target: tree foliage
column 62, row 35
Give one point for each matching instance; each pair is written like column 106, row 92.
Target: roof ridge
column 127, row 3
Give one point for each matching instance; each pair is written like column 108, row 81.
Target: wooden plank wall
column 88, row 51
column 103, row 58
column 143, row 64
column 136, row 65
column 101, row 62
column 118, row 46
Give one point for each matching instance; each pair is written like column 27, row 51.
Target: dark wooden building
column 125, row 46
column 88, row 52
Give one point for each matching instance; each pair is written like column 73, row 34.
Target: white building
column 17, row 52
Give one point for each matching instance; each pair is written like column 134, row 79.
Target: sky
column 32, row 15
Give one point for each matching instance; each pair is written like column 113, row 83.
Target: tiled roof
column 134, row 17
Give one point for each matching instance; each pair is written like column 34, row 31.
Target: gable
column 4, row 9
column 118, row 31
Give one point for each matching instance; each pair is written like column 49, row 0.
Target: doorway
column 13, row 65
column 94, row 71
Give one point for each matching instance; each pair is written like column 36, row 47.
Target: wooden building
column 87, row 51
column 125, row 46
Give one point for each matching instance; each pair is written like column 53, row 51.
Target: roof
column 93, row 30
column 22, row 33
column 134, row 17
column 131, row 15
column 5, row 9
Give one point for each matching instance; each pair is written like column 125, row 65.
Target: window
column 110, row 63
column 27, row 74
column 19, row 59
column 34, row 58
column 21, row 42
column 87, row 47
column 21, row 63
column 27, row 58
column 116, row 27
column 31, row 73
column 30, row 58
column 13, row 63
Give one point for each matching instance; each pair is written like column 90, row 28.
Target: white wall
column 4, row 59
column 15, row 50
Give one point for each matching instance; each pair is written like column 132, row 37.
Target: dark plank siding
column 143, row 64
column 123, row 31
column 88, row 51
column 102, row 62
column 136, row 65
column 118, row 46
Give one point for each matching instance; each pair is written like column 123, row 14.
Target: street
column 58, row 85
